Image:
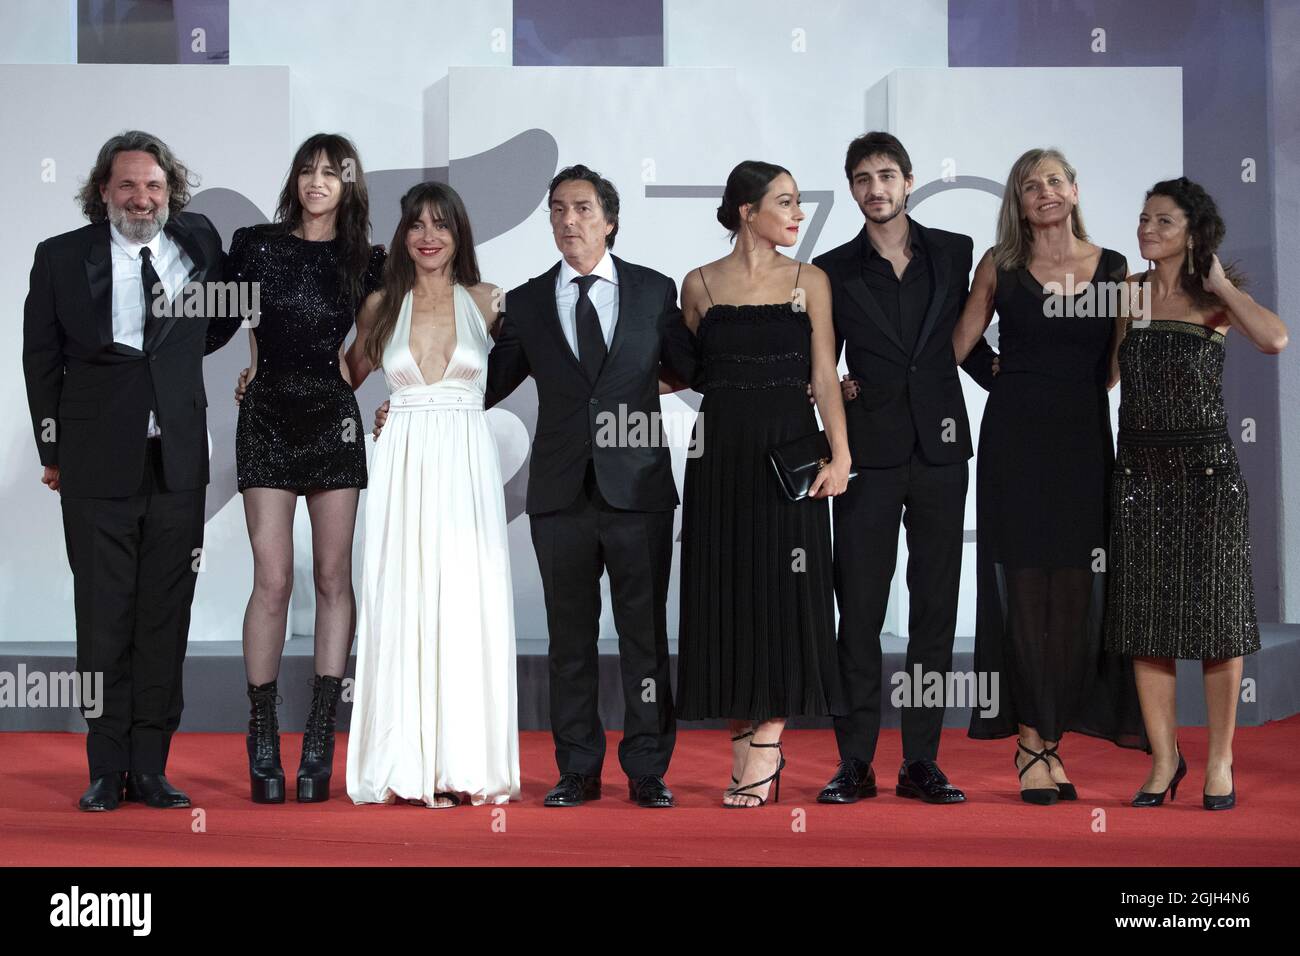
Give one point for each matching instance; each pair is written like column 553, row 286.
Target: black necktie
column 150, row 280
column 591, row 340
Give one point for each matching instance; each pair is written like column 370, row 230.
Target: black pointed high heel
column 775, row 780
column 734, row 782
column 1223, row 801
column 1039, row 796
column 1145, row 798
column 1066, row 790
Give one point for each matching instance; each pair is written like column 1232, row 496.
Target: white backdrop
column 975, row 123
column 230, row 127
column 418, row 84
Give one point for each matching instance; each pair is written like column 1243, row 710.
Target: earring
column 1191, row 264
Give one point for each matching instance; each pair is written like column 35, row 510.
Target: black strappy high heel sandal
column 1039, row 796
column 774, row 778
column 734, row 782
column 1066, row 790
column 1145, row 798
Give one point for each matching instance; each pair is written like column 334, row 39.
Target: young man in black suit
column 115, row 388
column 898, row 289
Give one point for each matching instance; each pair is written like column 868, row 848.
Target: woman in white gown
column 434, row 715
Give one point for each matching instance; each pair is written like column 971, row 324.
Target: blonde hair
column 1015, row 236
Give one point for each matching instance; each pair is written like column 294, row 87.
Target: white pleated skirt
column 435, row 700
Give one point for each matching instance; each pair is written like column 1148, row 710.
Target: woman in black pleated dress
column 300, row 433
column 757, row 633
column 1043, row 467
column 1180, row 579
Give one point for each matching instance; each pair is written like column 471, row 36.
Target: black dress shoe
column 572, row 790
column 923, row 780
column 153, row 790
column 649, row 791
column 104, row 793
column 854, row 781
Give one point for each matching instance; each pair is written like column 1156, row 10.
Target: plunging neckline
column 455, row 319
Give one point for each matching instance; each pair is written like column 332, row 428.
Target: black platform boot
column 265, row 775
column 318, row 741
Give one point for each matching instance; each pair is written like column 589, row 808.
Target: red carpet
column 43, row 774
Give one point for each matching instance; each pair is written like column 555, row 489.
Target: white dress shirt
column 603, row 294
column 173, row 268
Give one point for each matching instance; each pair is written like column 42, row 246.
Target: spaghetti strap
column 700, row 270
column 796, row 275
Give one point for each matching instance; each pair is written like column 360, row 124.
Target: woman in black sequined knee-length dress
column 1180, row 572
column 300, row 433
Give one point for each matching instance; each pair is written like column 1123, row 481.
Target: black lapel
column 628, row 286
column 940, row 274
column 182, row 236
column 858, row 291
column 99, row 276
column 545, row 291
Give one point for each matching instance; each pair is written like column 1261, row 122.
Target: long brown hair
column 1015, row 237
column 444, row 205
column 352, row 220
column 179, row 179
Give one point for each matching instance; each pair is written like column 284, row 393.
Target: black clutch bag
column 797, row 462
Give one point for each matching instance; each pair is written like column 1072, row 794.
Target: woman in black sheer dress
column 1044, row 461
column 300, row 433
column 757, row 634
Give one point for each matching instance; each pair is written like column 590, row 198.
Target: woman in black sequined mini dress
column 757, row 634
column 300, row 433
column 1180, row 572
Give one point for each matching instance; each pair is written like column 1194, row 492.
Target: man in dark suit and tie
column 595, row 332
column 898, row 289
column 114, row 377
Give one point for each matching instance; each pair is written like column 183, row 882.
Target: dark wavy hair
column 1206, row 230
column 747, row 183
column 444, row 204
column 606, row 194
column 876, row 143
column 179, row 179
column 352, row 220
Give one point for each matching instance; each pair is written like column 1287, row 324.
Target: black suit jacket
column 906, row 399
column 572, row 409
column 89, row 396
